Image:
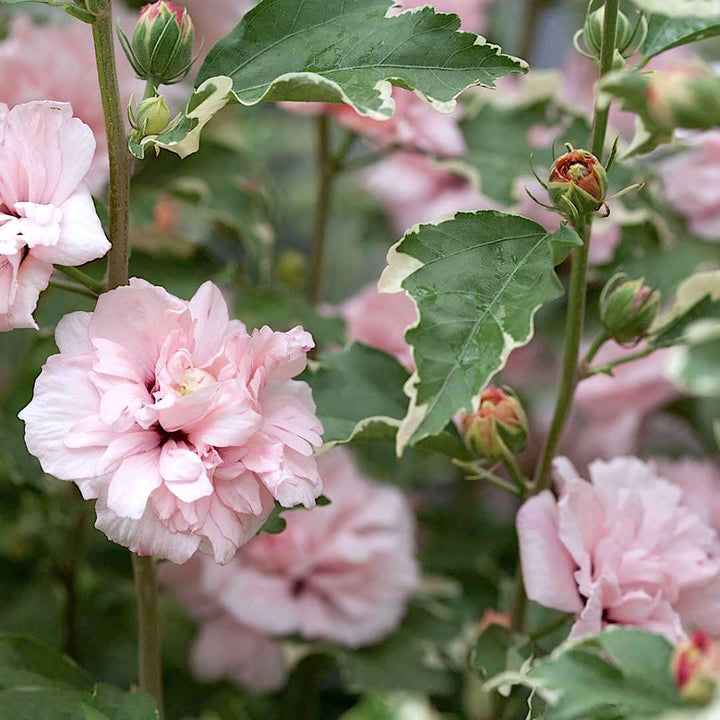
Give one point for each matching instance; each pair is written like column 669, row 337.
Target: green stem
column 533, row 12
column 73, row 288
column 598, row 342
column 609, row 367
column 511, row 465
column 323, row 201
column 149, row 656
column 80, row 277
column 119, row 155
column 576, row 306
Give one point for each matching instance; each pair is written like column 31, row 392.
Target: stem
column 599, row 341
column 80, row 277
column 150, row 662
column 119, row 155
column 511, row 465
column 608, row 367
column 576, row 306
column 149, row 658
column 325, row 178
column 73, row 288
column 533, row 13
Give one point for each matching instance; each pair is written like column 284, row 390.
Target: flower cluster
column 47, row 214
column 342, row 573
column 185, row 427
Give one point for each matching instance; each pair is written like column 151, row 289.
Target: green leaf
column 695, row 312
column 681, row 8
column 392, row 706
column 497, row 136
column 622, row 673
column 695, row 367
column 477, row 281
column 358, row 393
column 498, row 650
column 314, row 50
column 39, row 683
column 665, row 33
column 408, row 660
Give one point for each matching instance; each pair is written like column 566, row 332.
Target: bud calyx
column 628, row 308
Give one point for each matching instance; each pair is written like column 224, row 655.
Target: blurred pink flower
column 56, row 61
column 691, row 182
column 700, row 482
column 380, row 321
column 182, row 425
column 620, row 549
column 415, row 190
column 341, row 573
column 46, row 211
column 610, row 411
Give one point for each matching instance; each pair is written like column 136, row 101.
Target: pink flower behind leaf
column 341, row 573
column 46, row 212
column 472, row 12
column 183, row 426
column 380, row 321
column 56, row 61
column 213, row 19
column 621, row 549
column 691, row 182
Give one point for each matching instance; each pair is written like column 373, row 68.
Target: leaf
column 39, row 683
column 697, row 305
column 314, row 50
column 392, row 706
column 497, row 650
column 358, row 392
column 621, row 673
column 695, row 367
column 477, row 281
column 497, row 135
column 665, row 33
column 681, row 8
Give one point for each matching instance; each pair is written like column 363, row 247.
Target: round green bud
column 628, row 308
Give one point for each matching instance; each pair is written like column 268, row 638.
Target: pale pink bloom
column 341, row 573
column 700, row 482
column 472, row 12
column 620, row 549
column 183, row 426
column 414, row 125
column 213, row 19
column 691, row 182
column 56, row 61
column 46, row 211
column 380, row 321
column 610, row 412
column 414, row 190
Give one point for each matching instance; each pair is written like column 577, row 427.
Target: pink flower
column 471, row 12
column 415, row 125
column 341, row 573
column 691, row 181
column 414, row 190
column 45, row 61
column 700, row 482
column 611, row 411
column 380, row 321
column 46, row 212
column 620, row 549
column 182, row 425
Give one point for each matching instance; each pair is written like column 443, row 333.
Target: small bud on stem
column 628, row 308
column 577, row 184
column 696, row 668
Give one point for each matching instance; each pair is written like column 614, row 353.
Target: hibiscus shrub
column 382, row 368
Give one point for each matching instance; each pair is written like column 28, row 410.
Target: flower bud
column 162, row 43
column 578, row 184
column 150, row 117
column 498, row 427
column 696, row 668
column 628, row 308
column 628, row 37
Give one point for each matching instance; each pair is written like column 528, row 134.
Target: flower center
column 577, row 172
column 195, row 379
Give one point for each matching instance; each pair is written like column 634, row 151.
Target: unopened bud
column 629, row 35
column 628, row 308
column 150, row 117
column 696, row 668
column 162, row 43
column 498, row 427
column 578, row 184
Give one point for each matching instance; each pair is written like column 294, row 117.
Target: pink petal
column 184, row 474
column 133, row 483
column 210, row 313
column 71, row 334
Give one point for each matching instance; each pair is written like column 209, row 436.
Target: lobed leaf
column 666, row 33
column 477, row 280
column 681, row 8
